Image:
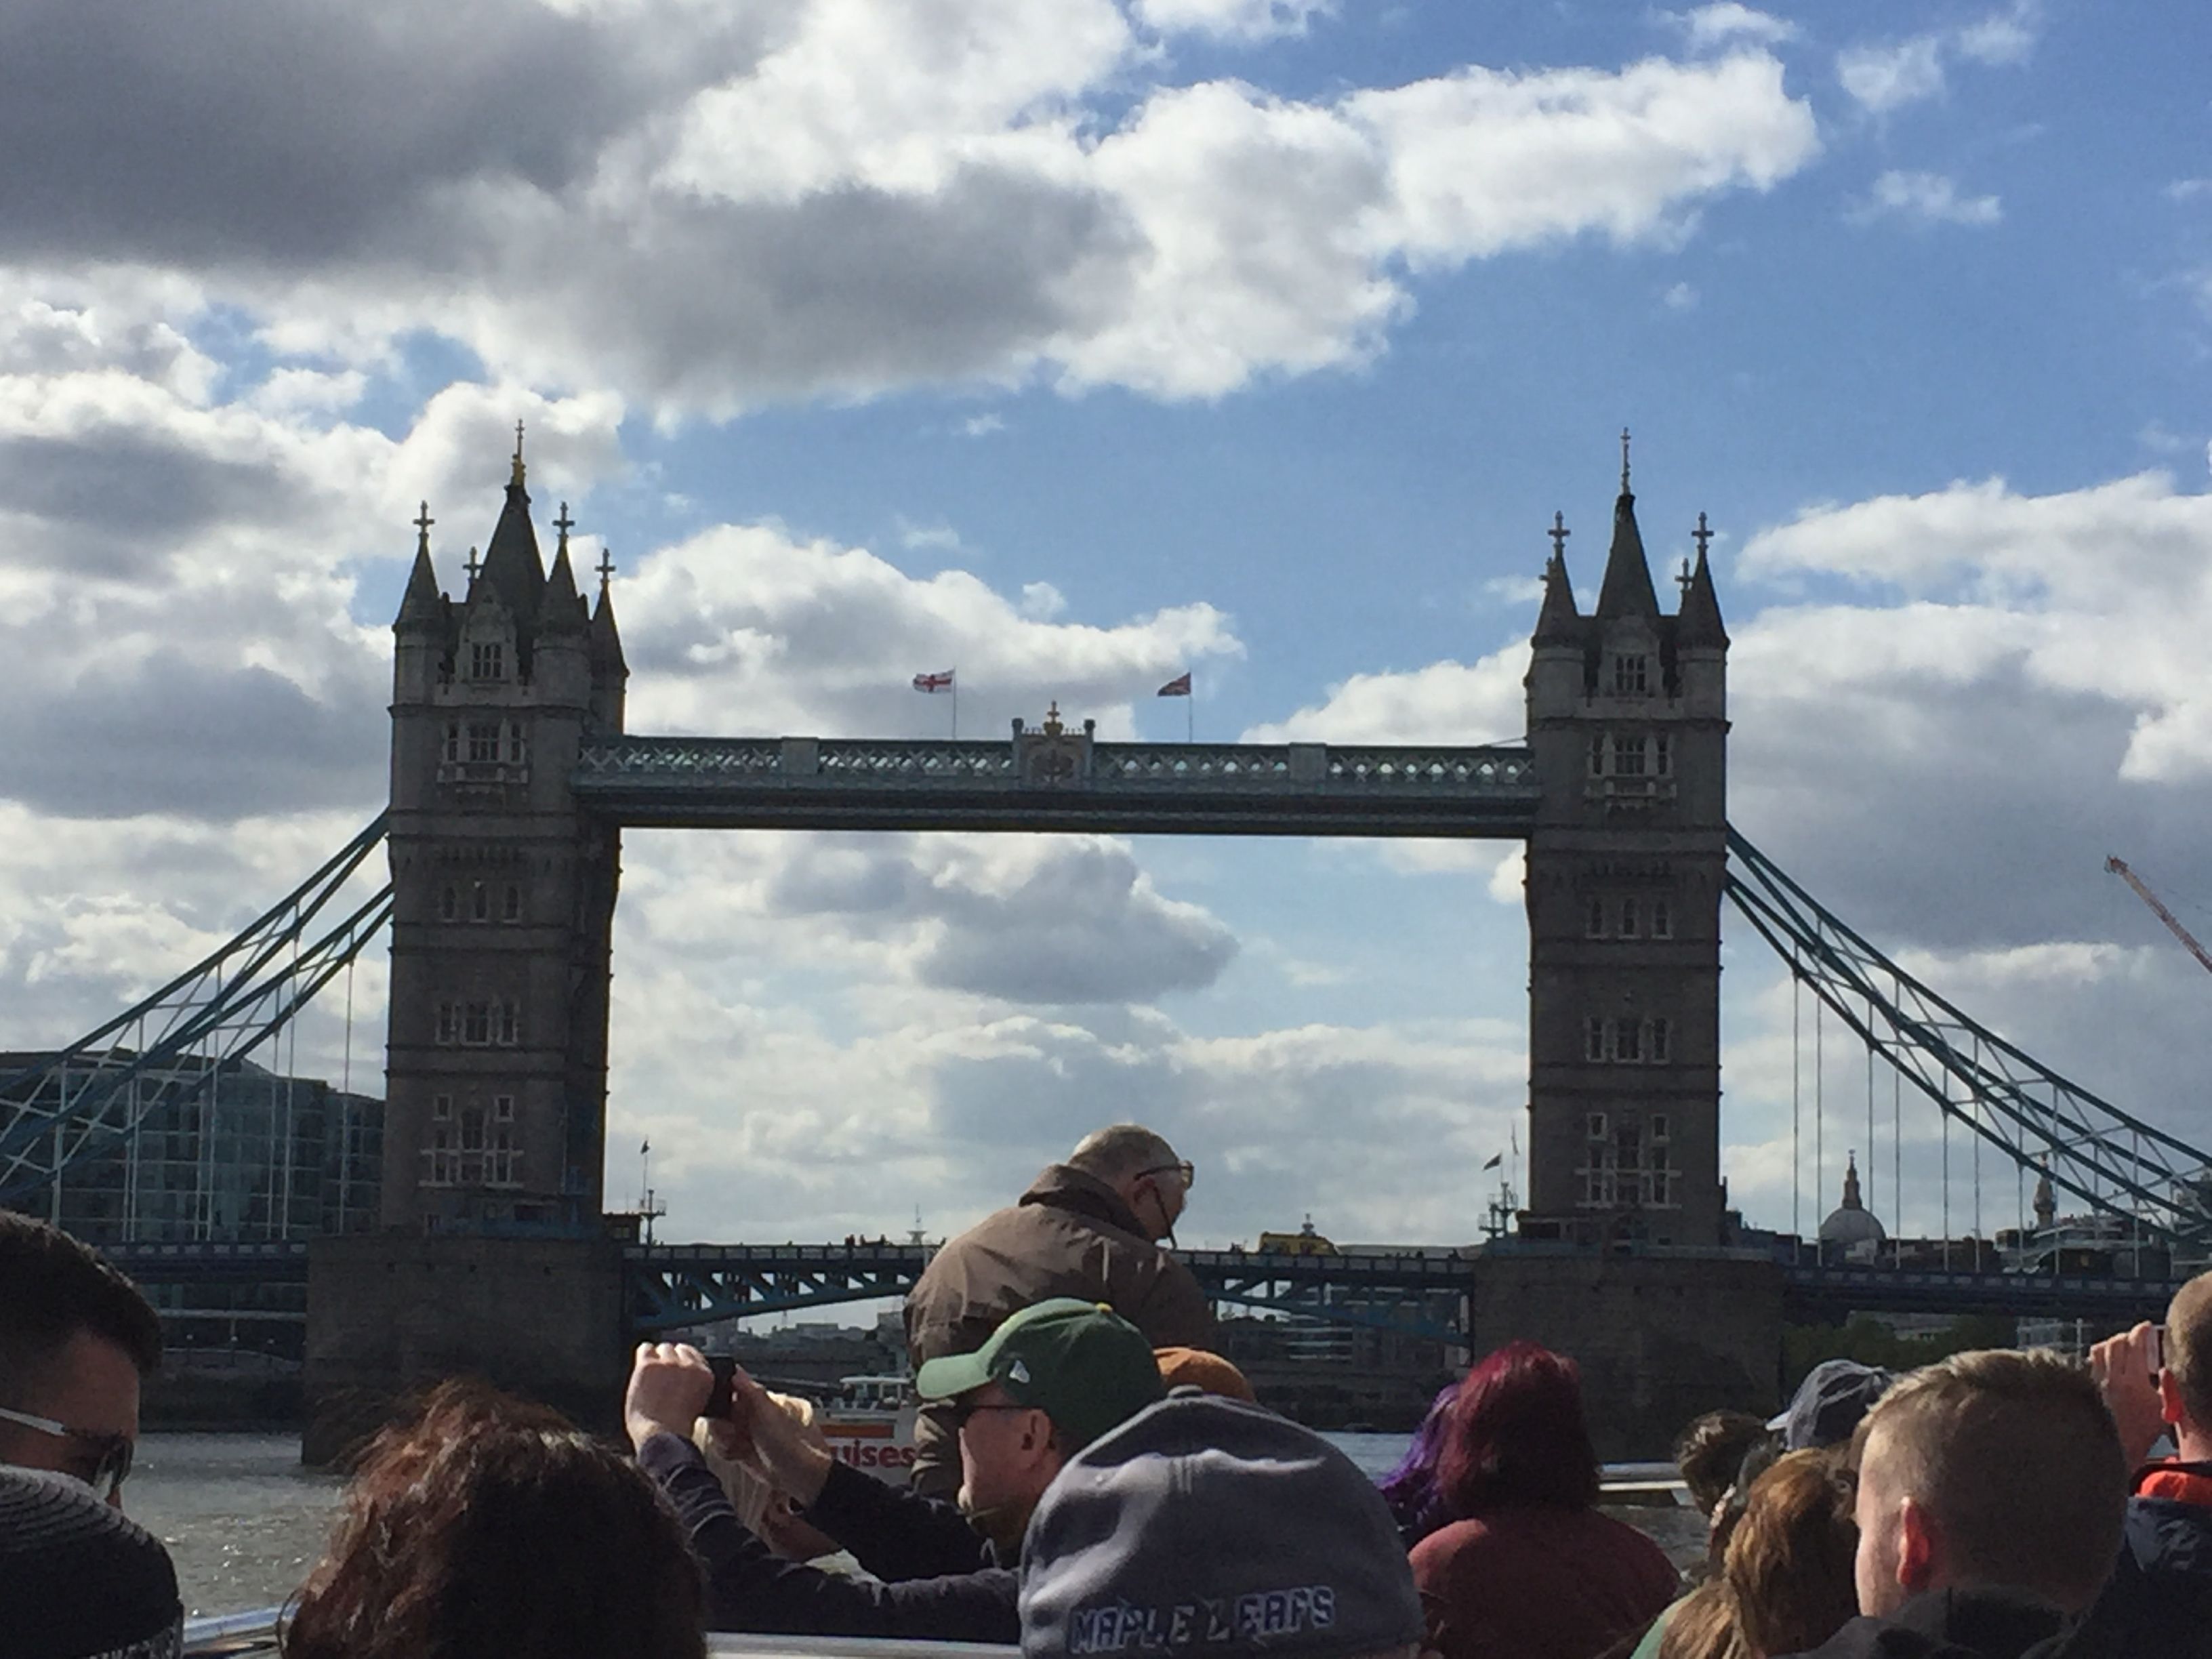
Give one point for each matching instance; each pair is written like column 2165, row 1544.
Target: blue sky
column 1075, row 344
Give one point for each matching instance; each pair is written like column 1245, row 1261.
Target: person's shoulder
column 2171, row 1530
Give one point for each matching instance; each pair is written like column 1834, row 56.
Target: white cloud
column 2004, row 37
column 1680, row 297
column 1927, row 198
column 981, row 426
column 1240, row 20
column 1885, row 78
column 1889, row 77
column 1730, row 20
column 810, row 637
column 1017, row 194
column 1481, row 161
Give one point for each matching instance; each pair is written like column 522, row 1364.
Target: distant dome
column 1851, row 1222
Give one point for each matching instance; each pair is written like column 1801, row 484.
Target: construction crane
column 2172, row 922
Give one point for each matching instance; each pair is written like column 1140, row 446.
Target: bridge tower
column 1628, row 725
column 503, row 891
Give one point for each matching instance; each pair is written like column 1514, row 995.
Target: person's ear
column 1919, row 1550
column 2170, row 1405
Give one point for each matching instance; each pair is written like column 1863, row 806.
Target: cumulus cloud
column 810, row 637
column 1928, row 198
column 704, row 216
column 177, row 567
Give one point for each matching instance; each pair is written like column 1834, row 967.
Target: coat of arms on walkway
column 1051, row 754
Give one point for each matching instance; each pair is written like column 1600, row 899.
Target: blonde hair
column 2016, row 1460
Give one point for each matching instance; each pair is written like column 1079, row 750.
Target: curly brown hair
column 486, row 1524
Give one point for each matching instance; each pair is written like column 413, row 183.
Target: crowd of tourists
column 1095, row 1480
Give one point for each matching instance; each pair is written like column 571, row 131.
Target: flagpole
column 955, row 705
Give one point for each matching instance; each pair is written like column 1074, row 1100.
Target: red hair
column 1516, row 1434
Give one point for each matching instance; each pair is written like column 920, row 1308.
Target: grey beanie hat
column 79, row 1579
column 1208, row 1528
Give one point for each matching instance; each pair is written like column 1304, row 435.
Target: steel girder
column 1827, row 1292
column 2118, row 1165
column 96, row 1091
column 671, row 1286
column 1059, row 781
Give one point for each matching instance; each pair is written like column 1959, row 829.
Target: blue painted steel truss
column 2118, row 1165
column 171, row 1047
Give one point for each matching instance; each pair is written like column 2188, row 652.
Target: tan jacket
column 1071, row 1235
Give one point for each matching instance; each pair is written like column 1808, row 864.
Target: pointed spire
column 561, row 610
column 1851, row 1199
column 422, row 603
column 1627, row 590
column 512, row 563
column 1557, row 622
column 606, row 641
column 1699, row 619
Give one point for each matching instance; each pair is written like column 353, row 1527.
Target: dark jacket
column 1071, row 1235
column 2159, row 1600
column 890, row 1531
column 1955, row 1624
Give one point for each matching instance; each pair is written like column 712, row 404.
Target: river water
column 244, row 1521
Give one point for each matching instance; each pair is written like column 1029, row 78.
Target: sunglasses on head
column 1184, row 1169
column 106, row 1464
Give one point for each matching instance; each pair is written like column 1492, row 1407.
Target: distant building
column 236, row 1155
column 1852, row 1232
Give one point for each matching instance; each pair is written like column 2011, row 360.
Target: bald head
column 1119, row 1152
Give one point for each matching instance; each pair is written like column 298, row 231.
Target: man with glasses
column 1091, row 1228
column 76, row 1339
column 1052, row 1379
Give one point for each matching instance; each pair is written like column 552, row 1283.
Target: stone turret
column 503, row 891
column 1628, row 721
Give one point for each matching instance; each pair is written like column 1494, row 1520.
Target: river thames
column 244, row 1521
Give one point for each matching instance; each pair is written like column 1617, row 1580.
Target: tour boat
column 869, row 1424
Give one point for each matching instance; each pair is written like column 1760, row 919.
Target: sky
column 1073, row 345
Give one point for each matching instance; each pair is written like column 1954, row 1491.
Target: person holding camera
column 2159, row 1380
column 1052, row 1379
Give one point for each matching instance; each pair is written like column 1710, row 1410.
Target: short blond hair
column 2188, row 1348
column 2016, row 1460
column 1120, row 1151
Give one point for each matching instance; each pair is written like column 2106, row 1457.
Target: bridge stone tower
column 503, row 892
column 1628, row 725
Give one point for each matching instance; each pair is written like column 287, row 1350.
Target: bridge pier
column 390, row 1314
column 1660, row 1339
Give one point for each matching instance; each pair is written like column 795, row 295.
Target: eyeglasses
column 964, row 1409
column 1185, row 1170
column 112, row 1452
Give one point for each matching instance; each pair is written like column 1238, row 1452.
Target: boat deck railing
column 245, row 1635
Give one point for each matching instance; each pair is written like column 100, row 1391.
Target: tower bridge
column 514, row 776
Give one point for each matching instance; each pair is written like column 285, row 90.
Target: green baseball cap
column 1079, row 1362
